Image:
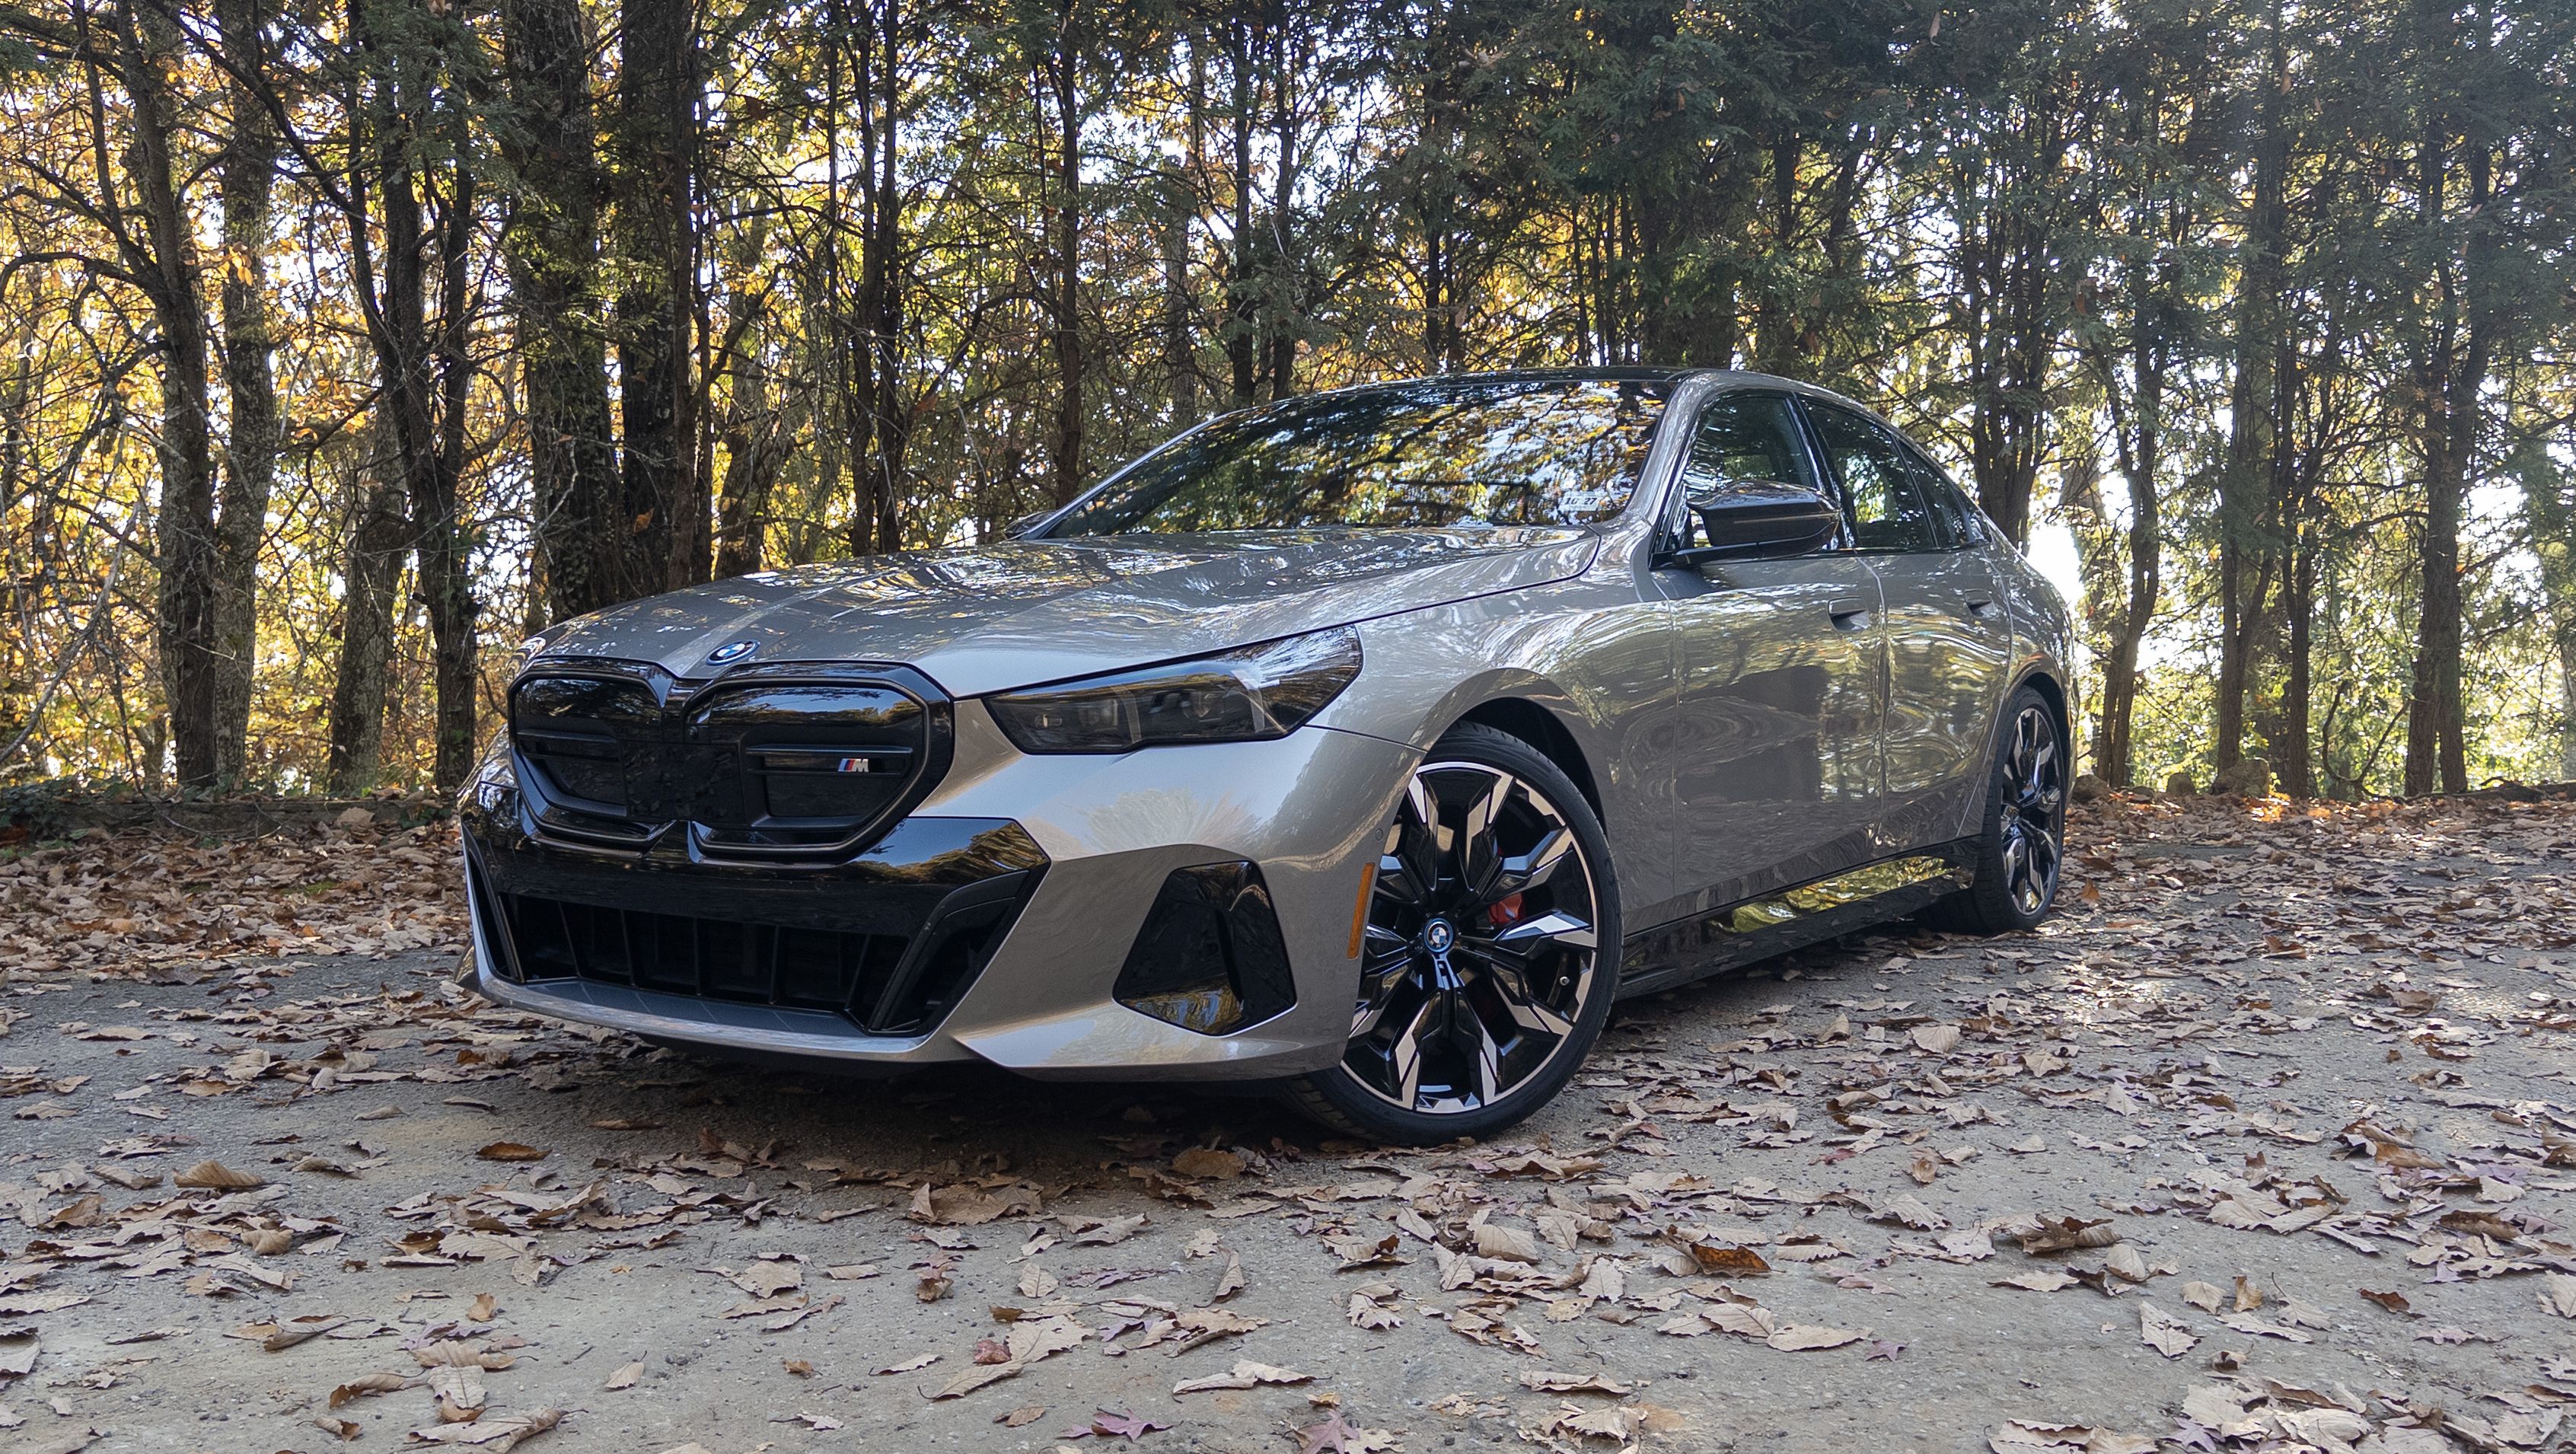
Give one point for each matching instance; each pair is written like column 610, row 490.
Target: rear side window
column 1888, row 511
column 1959, row 519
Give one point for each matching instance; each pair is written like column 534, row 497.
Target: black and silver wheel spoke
column 1479, row 951
column 2034, row 777
column 1409, row 866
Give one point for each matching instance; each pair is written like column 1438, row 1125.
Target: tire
column 2021, row 841
column 1488, row 965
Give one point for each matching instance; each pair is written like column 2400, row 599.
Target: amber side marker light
column 1359, row 912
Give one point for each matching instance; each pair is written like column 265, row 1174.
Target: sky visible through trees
column 345, row 342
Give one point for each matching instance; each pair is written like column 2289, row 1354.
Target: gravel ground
column 2263, row 1143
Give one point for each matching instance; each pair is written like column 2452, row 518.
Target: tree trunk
column 248, row 176
column 147, row 50
column 757, row 445
column 553, row 252
column 1066, row 244
column 885, row 435
column 1180, row 208
column 1242, row 302
column 2142, row 454
column 424, row 376
column 2245, row 548
column 665, row 507
column 2293, row 752
column 1280, row 330
column 2451, row 374
column 378, row 536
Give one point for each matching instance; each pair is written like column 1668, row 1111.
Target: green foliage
column 942, row 260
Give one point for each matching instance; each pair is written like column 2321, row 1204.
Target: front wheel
column 1490, row 954
column 2023, row 835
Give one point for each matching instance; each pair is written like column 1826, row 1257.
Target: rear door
column 1776, row 760
column 1949, row 638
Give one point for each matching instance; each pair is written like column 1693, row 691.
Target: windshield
column 1406, row 456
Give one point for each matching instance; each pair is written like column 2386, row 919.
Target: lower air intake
column 883, row 984
column 1210, row 957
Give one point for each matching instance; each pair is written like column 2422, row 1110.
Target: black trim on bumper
column 884, row 944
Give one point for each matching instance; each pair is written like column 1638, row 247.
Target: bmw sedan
column 1363, row 748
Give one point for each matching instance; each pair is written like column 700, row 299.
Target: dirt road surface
column 2266, row 1142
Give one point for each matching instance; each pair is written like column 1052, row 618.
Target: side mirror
column 1017, row 528
column 1759, row 520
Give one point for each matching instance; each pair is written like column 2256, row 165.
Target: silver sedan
column 1364, row 747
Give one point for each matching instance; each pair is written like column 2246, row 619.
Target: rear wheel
column 2023, row 839
column 1490, row 955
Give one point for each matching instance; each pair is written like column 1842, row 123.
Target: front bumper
column 991, row 922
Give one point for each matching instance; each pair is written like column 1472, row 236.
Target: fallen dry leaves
column 2024, row 1129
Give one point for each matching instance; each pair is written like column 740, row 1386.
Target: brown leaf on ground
column 365, row 1384
column 1244, row 1374
column 971, row 1206
column 1208, row 1162
column 2066, row 1234
column 296, row 1330
column 2557, row 1295
column 217, row 1176
column 1104, row 1232
column 1542, row 1381
column 627, row 1375
column 1337, row 1435
column 2023, row 1436
column 498, row 1435
column 510, row 1151
column 2164, row 1332
column 1728, row 1261
column 1229, row 1279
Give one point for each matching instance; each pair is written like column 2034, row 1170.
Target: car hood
column 979, row 619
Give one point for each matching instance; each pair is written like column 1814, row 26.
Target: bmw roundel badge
column 731, row 651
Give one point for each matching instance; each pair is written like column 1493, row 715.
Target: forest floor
column 2266, row 1142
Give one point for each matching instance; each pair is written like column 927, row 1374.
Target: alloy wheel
column 1480, row 950
column 2034, row 810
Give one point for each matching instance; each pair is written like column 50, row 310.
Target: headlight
column 1235, row 696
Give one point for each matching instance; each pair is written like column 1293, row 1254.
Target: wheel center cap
column 1437, row 937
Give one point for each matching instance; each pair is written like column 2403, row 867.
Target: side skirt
column 1694, row 948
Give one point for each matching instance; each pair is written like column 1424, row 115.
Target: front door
column 1949, row 638
column 1776, row 758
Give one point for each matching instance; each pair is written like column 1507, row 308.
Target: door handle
column 1848, row 615
column 1981, row 608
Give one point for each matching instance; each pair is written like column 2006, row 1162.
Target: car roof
column 1620, row 374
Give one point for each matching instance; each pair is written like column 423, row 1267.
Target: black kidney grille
column 761, row 767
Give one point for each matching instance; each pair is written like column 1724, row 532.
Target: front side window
column 1746, row 436
column 1741, row 439
column 1496, row 452
column 1887, row 511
